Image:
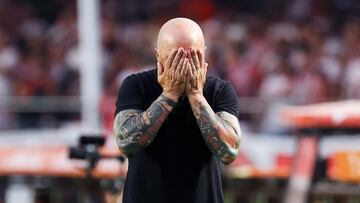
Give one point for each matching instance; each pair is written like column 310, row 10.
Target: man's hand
column 196, row 73
column 172, row 74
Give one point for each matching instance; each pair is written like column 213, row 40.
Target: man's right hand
column 172, row 74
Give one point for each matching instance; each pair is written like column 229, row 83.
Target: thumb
column 160, row 69
column 205, row 71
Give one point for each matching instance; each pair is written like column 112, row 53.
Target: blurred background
column 295, row 65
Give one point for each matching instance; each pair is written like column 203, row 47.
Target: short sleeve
column 129, row 96
column 227, row 100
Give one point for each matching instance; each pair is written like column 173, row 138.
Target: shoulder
column 137, row 82
column 214, row 79
column 147, row 74
column 215, row 84
column 134, row 91
column 141, row 78
column 223, row 94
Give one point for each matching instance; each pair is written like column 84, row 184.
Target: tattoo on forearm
column 220, row 131
column 135, row 129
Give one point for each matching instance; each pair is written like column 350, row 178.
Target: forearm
column 134, row 130
column 221, row 138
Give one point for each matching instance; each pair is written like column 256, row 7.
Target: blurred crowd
column 307, row 50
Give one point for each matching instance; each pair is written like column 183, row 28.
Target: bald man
column 176, row 124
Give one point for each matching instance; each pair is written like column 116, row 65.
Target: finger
column 171, row 58
column 205, row 70
column 184, row 68
column 177, row 58
column 159, row 74
column 181, row 64
column 190, row 74
column 160, row 68
column 177, row 72
column 195, row 58
column 200, row 57
column 191, row 61
column 192, row 71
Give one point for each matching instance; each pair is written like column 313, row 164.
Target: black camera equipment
column 87, row 149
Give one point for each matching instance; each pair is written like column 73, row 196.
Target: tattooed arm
column 221, row 131
column 134, row 129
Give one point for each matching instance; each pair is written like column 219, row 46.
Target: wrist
column 171, row 96
column 195, row 95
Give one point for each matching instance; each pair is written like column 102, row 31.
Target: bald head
column 179, row 32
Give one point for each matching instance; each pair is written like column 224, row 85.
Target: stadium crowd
column 298, row 49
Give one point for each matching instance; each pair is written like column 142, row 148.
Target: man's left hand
column 196, row 73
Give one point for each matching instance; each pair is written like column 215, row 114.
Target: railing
column 49, row 104
column 252, row 109
column 41, row 104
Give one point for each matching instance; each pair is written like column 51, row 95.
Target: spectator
column 311, row 57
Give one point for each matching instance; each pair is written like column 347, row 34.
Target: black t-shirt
column 177, row 166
